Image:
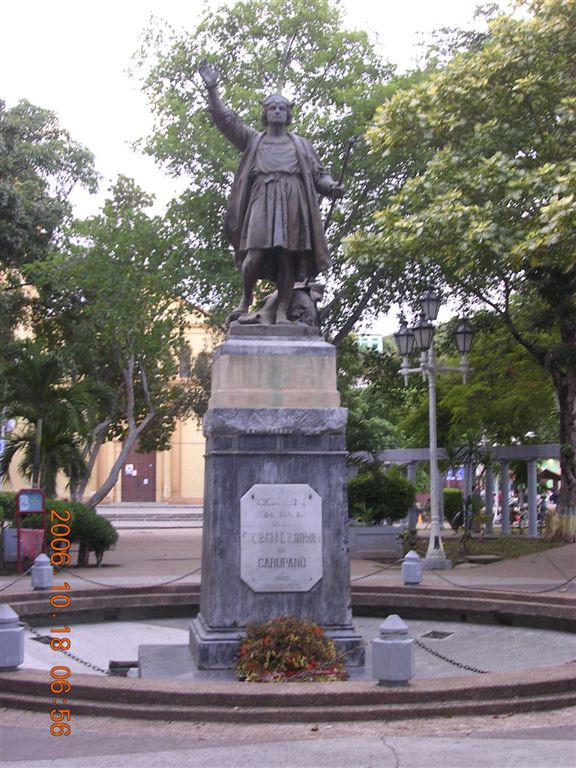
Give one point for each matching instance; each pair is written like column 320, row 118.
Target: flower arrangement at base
column 288, row 649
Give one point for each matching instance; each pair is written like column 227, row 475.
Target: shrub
column 92, row 532
column 453, row 507
column 375, row 495
column 288, row 649
column 7, row 506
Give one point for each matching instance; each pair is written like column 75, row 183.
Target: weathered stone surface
column 281, row 538
column 227, row 603
column 274, row 372
column 275, row 421
column 375, row 541
column 277, row 331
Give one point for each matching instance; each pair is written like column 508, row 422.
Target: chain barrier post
column 412, row 568
column 11, row 639
column 41, row 572
column 393, row 653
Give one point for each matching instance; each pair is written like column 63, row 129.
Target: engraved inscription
column 281, row 538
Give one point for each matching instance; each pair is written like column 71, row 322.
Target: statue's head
column 276, row 98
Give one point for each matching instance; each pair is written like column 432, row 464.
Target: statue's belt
column 267, row 178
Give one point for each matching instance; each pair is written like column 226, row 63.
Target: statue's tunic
column 273, row 201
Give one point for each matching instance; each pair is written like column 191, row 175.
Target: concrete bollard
column 11, row 639
column 41, row 573
column 393, row 653
column 412, row 568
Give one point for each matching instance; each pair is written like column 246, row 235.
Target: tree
column 509, row 398
column 371, row 388
column 491, row 214
column 336, row 79
column 108, row 296
column 49, row 409
column 375, row 495
column 39, row 166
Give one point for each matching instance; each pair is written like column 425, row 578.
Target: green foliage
column 453, row 507
column 483, row 156
column 87, row 527
column 509, row 395
column 39, row 166
column 505, row 547
column 375, row 495
column 370, row 387
column 91, row 530
column 50, row 411
column 336, row 79
column 110, row 297
column 7, row 506
column 288, row 649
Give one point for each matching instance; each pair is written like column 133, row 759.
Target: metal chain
column 473, row 588
column 129, row 586
column 67, row 653
column 103, row 584
column 21, row 576
column 395, row 564
column 451, row 661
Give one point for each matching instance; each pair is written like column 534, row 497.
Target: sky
column 72, row 57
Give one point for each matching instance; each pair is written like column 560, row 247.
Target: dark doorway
column 139, row 477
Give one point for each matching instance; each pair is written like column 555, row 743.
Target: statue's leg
column 285, row 284
column 250, row 271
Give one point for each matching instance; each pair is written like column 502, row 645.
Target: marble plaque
column 281, row 538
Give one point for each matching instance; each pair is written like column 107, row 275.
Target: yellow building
column 175, row 476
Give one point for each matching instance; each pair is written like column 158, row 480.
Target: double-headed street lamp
column 422, row 337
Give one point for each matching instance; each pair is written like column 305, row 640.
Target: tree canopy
column 39, row 165
column 482, row 157
column 336, row 79
column 108, row 296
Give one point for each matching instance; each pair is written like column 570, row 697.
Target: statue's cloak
column 314, row 177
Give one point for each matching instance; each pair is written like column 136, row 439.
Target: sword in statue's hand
column 350, row 143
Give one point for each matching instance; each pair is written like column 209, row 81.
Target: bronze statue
column 273, row 218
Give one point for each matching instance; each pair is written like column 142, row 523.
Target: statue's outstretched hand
column 208, row 73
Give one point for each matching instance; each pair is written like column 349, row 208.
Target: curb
column 235, row 702
column 165, row 699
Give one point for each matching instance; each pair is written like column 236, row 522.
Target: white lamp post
column 422, row 336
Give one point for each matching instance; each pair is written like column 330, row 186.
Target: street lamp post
column 422, row 336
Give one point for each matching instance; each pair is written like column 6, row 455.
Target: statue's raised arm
column 209, row 75
column 272, row 219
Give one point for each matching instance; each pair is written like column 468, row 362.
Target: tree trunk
column 134, row 429
column 37, row 453
column 83, row 555
column 128, row 442
column 90, row 454
column 564, row 525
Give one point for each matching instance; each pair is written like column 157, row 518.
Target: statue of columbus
column 273, row 218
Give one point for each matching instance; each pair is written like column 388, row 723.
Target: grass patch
column 505, row 547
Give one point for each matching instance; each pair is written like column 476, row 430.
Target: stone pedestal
column 275, row 520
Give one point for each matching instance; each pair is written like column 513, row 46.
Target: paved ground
column 157, row 556
column 153, row 556
column 542, row 740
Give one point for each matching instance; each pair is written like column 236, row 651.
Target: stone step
column 149, row 515
column 137, row 698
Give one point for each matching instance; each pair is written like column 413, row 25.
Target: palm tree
column 49, row 407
